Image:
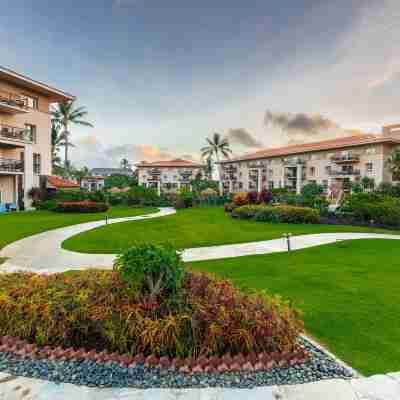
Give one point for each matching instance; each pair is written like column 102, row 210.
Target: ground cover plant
column 194, row 227
column 86, row 206
column 15, row 226
column 348, row 292
column 148, row 305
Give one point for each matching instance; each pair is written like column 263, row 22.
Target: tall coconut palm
column 125, row 163
column 66, row 114
column 393, row 163
column 217, row 146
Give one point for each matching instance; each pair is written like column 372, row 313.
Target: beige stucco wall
column 41, row 119
column 273, row 168
column 168, row 175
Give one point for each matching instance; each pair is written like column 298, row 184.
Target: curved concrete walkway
column 43, row 252
column 378, row 387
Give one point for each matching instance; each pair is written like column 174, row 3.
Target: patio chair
column 11, row 207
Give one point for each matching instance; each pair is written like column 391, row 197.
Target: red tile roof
column 178, row 162
column 349, row 141
column 60, row 183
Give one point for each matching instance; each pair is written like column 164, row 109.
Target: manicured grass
column 349, row 292
column 15, row 226
column 191, row 228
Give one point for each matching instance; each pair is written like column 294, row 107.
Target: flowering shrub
column 265, row 196
column 81, row 207
column 253, row 197
column 241, row 198
column 99, row 310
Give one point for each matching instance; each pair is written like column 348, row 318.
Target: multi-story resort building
column 331, row 163
column 168, row 176
column 25, row 135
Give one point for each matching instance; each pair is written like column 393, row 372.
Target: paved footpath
column 378, row 387
column 43, row 252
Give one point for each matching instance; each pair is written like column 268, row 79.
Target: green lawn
column 15, row 226
column 191, row 228
column 349, row 292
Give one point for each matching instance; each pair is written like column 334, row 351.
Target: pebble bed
column 92, row 374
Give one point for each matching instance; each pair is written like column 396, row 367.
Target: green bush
column 285, row 214
column 246, row 212
column 186, row 197
column 48, row 205
column 71, row 195
column 373, row 207
column 229, row 207
column 312, row 190
column 81, row 207
column 152, row 269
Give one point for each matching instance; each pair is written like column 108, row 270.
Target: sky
column 158, row 77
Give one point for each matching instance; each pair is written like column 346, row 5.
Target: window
column 270, row 185
column 328, row 169
column 312, row 171
column 369, row 167
column 370, row 150
column 30, row 132
column 37, row 167
column 31, row 102
column 325, row 185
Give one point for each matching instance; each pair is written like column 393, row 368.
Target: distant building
column 111, row 171
column 334, row 164
column 168, row 176
column 92, row 183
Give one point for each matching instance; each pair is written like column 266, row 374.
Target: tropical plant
column 393, row 163
column 367, row 183
column 65, row 115
column 152, row 269
column 79, row 174
column 208, row 168
column 125, row 164
column 56, row 141
column 216, row 146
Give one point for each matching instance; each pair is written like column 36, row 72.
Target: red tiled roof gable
column 178, row 162
column 60, row 183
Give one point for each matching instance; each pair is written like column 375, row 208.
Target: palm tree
column 125, row 163
column 393, row 163
column 208, row 168
column 216, row 146
column 66, row 114
column 79, row 174
column 56, row 142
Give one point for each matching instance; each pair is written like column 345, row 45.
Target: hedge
column 286, row 214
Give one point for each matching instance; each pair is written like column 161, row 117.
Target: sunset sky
column 159, row 76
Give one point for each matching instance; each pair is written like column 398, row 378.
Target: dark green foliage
column 284, row 214
column 119, row 181
column 152, row 269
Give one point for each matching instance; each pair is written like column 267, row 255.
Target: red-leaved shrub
column 81, row 207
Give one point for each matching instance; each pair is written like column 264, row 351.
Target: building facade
column 112, row 171
column 334, row 164
column 92, row 183
column 168, row 176
column 25, row 135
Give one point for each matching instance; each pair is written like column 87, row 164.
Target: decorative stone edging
column 226, row 363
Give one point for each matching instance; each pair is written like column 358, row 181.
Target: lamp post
column 287, row 237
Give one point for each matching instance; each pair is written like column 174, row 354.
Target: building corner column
column 299, row 178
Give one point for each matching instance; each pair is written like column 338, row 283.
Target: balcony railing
column 350, row 172
column 348, row 158
column 13, row 133
column 294, row 161
column 256, row 165
column 13, row 100
column 10, row 165
column 230, row 169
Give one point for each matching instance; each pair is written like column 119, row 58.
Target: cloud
column 243, row 137
column 89, row 151
column 301, row 127
column 299, row 123
column 390, row 72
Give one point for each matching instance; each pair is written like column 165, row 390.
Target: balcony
column 294, row 161
column 346, row 159
column 256, row 165
column 14, row 134
column 11, row 166
column 230, row 169
column 345, row 173
column 12, row 103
